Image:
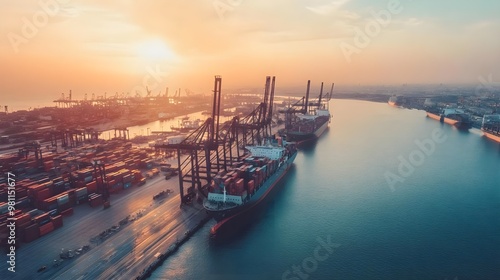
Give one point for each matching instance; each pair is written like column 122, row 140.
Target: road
column 132, row 249
column 129, row 249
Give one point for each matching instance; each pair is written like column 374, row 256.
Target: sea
column 385, row 193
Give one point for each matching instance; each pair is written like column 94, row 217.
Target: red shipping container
column 49, row 204
column 22, row 219
column 40, row 218
column 43, row 194
column 57, row 221
column 67, row 212
column 47, row 228
column 48, row 165
column 31, row 233
column 48, row 157
column 240, row 182
column 96, row 201
column 92, row 187
column 251, row 186
column 240, row 186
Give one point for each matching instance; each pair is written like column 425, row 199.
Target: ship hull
column 223, row 218
column 452, row 121
column 434, row 116
column 492, row 136
column 303, row 137
column 447, row 120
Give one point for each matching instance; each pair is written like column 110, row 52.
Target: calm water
column 441, row 222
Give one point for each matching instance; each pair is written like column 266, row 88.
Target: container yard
column 87, row 176
column 66, row 199
column 83, row 197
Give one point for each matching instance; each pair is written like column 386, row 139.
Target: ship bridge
column 273, row 153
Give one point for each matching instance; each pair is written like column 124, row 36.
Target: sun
column 155, row 50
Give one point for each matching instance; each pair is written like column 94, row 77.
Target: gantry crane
column 213, row 147
column 257, row 125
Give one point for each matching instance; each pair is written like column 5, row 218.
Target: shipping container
column 22, row 203
column 95, row 200
column 91, row 187
column 49, row 204
column 57, row 221
column 41, row 218
column 67, row 212
column 4, row 208
column 46, row 228
column 31, row 233
column 81, row 193
column 43, row 194
column 251, row 186
column 22, row 219
column 63, row 199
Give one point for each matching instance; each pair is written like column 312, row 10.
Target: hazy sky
column 49, row 46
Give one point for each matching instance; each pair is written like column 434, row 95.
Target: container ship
column 248, row 182
column 393, row 101
column 491, row 127
column 311, row 121
column 455, row 117
column 187, row 125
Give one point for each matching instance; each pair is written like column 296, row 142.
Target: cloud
column 413, row 22
column 329, row 8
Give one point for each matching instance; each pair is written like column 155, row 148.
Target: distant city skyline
column 49, row 46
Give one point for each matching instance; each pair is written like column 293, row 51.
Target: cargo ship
column 248, row 182
column 393, row 101
column 454, row 117
column 187, row 125
column 491, row 127
column 312, row 121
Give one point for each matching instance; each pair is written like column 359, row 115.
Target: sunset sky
column 121, row 45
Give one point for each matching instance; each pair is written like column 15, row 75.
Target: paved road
column 161, row 220
column 132, row 249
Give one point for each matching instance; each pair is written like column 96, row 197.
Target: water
column 160, row 125
column 441, row 222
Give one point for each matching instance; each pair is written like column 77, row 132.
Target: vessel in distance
column 312, row 122
column 491, row 127
column 455, row 117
